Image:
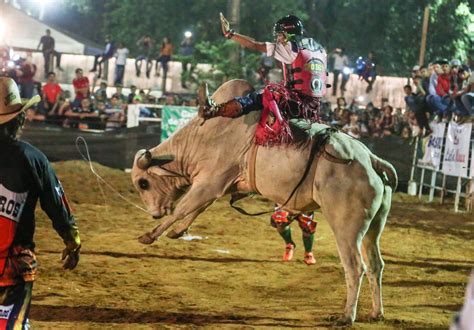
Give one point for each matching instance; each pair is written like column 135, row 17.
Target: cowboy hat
column 11, row 104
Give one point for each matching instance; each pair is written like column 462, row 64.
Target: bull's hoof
column 174, row 235
column 146, row 239
column 344, row 321
column 374, row 317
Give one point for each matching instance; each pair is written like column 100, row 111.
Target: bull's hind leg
column 372, row 255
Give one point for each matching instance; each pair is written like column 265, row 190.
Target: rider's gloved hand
column 225, row 26
column 70, row 256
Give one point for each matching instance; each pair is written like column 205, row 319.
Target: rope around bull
column 99, row 178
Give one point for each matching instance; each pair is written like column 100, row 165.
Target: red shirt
column 51, row 92
column 443, row 84
column 80, row 83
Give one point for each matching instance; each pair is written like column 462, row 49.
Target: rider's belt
column 294, row 70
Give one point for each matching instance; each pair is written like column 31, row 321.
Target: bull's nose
column 156, row 217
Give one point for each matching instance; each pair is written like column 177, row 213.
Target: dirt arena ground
column 233, row 276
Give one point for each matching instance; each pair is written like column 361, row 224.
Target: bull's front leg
column 196, row 200
column 181, row 227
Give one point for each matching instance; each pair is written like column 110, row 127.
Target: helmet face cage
column 290, row 25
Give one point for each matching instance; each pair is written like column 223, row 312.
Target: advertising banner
column 456, row 153
column 432, row 154
column 175, row 117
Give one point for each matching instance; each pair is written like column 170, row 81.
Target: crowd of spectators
column 443, row 91
column 369, row 121
column 94, row 108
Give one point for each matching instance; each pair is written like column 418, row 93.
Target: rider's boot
column 309, row 258
column 208, row 107
column 289, row 251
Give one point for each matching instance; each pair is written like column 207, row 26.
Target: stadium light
column 188, row 34
column 360, row 98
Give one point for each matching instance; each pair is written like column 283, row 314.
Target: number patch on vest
column 5, row 311
column 11, row 203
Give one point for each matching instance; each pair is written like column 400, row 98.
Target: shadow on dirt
column 50, row 313
column 167, row 257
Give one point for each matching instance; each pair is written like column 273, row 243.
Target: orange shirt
column 167, row 49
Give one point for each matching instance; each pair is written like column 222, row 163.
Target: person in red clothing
column 81, row 87
column 442, row 88
column 51, row 92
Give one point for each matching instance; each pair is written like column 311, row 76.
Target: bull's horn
column 144, row 160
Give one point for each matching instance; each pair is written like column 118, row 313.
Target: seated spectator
column 115, row 115
column 108, row 53
column 416, row 104
column 83, row 117
column 81, row 87
column 166, row 51
column 375, row 128
column 387, row 121
column 372, row 110
column 101, row 93
column 51, row 92
column 133, row 93
column 354, row 127
column 440, row 100
column 34, row 115
column 406, row 133
column 465, row 96
column 145, row 45
column 56, row 114
column 119, row 94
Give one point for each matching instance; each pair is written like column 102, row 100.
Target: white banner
column 456, row 152
column 432, row 155
column 472, row 162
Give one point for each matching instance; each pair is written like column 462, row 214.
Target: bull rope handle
column 99, row 178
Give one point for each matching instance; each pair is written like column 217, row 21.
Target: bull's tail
column 385, row 170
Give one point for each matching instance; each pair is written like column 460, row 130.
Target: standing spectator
column 81, row 87
column 109, row 51
column 145, row 44
column 187, row 52
column 26, row 176
column 443, row 90
column 48, row 50
column 166, row 50
column 51, row 92
column 340, row 62
column 121, row 55
column 25, row 77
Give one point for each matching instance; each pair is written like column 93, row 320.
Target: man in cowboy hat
column 25, row 176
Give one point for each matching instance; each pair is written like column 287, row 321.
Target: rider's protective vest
column 11, row 207
column 308, row 72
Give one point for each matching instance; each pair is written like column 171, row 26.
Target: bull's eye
column 143, row 184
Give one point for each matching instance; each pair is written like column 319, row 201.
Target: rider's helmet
column 289, row 25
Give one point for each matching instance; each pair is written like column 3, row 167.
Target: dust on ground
column 233, row 276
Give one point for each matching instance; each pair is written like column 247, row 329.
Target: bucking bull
column 206, row 160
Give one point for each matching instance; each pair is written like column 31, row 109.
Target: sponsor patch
column 316, row 85
column 315, row 65
column 5, row 311
column 11, row 203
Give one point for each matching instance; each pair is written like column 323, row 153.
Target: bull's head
column 159, row 187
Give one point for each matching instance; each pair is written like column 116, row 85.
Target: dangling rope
column 87, row 158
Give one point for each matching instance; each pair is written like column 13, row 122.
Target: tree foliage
column 392, row 29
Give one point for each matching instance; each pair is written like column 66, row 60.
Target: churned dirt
column 233, row 276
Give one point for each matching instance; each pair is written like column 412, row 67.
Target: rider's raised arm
column 249, row 43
